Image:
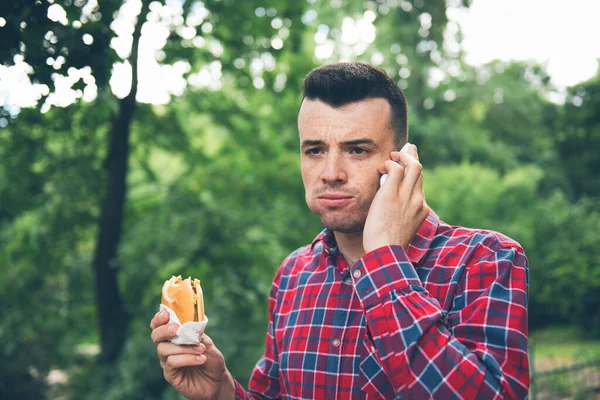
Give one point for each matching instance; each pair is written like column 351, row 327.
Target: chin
column 347, row 227
column 343, row 225
column 341, row 220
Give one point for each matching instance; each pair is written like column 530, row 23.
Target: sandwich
column 185, row 298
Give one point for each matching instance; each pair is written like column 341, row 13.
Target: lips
column 334, row 199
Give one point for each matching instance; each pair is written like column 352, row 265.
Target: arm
column 264, row 381
column 477, row 350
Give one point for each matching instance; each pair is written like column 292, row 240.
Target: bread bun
column 185, row 298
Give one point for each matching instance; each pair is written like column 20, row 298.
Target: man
column 388, row 301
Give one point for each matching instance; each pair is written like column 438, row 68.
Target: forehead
column 369, row 118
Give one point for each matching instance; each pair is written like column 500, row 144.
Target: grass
column 561, row 346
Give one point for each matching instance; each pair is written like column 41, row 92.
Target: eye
column 313, row 151
column 359, row 151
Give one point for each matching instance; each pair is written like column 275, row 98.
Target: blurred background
column 141, row 139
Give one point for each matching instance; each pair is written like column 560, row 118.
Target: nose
column 334, row 169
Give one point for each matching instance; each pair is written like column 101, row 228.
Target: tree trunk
column 112, row 316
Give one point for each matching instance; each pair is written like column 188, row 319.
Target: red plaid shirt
column 447, row 319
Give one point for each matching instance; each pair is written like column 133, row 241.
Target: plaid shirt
column 445, row 319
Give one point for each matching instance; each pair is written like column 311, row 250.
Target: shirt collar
column 416, row 249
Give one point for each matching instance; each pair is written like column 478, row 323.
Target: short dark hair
column 346, row 82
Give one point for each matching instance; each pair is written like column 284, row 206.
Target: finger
column 166, row 349
column 394, row 171
column 418, row 195
column 412, row 150
column 183, row 360
column 395, row 155
column 164, row 332
column 406, row 149
column 419, row 184
column 413, row 169
column 418, row 199
column 207, row 341
column 160, row 318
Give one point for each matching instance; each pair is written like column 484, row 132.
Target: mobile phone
column 382, row 179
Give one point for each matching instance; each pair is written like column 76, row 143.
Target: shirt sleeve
column 478, row 349
column 264, row 381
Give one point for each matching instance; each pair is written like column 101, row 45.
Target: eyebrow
column 307, row 143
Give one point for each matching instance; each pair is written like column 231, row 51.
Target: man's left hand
column 399, row 207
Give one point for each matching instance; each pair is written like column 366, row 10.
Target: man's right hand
column 197, row 372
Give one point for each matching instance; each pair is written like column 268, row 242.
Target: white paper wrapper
column 188, row 333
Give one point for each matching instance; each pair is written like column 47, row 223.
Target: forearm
column 426, row 359
column 425, row 355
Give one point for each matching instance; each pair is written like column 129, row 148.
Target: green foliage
column 577, row 137
column 559, row 238
column 566, row 261
column 475, row 196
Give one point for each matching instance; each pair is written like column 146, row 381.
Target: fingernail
column 200, row 359
column 414, row 147
column 173, row 329
column 163, row 314
column 405, row 147
column 200, row 347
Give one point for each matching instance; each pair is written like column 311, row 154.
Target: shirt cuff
column 382, row 271
column 240, row 392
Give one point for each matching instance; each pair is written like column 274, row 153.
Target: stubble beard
column 347, row 225
column 344, row 221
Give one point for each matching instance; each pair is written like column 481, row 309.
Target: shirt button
column 356, row 273
column 336, row 342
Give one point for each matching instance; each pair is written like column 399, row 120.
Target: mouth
column 334, row 199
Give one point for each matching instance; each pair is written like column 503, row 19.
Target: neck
column 350, row 245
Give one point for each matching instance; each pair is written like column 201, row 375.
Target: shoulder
column 297, row 257
column 487, row 264
column 475, row 243
column 307, row 257
column 488, row 258
column 479, row 257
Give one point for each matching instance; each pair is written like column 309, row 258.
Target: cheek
column 368, row 179
column 369, row 193
column 308, row 171
column 307, row 182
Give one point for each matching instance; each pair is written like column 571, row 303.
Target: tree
column 52, row 36
column 577, row 138
column 38, row 40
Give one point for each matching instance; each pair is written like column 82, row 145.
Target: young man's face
column 341, row 149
